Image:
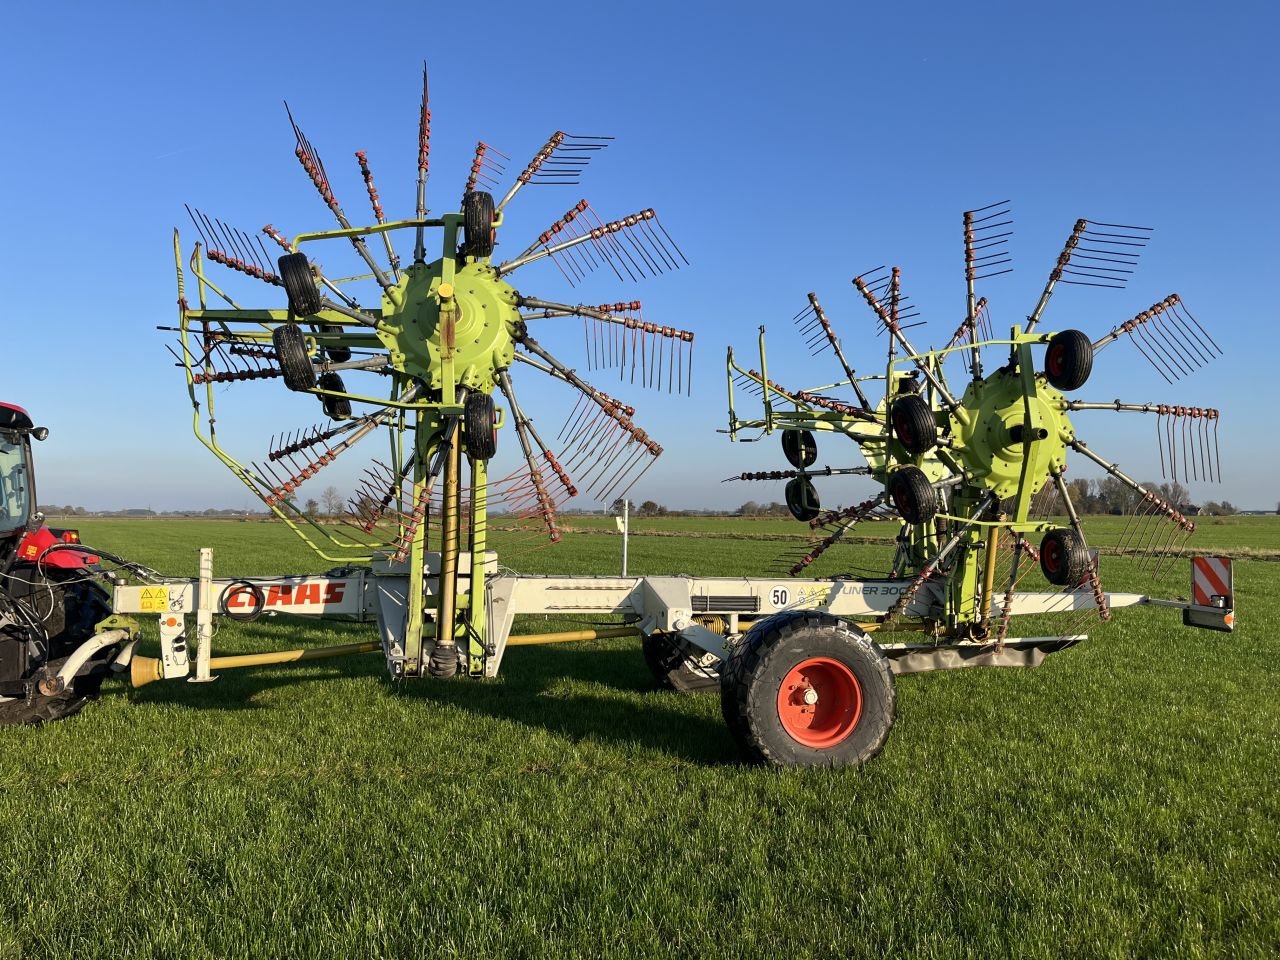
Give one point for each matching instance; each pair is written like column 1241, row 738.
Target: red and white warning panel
column 1210, row 579
column 1212, row 594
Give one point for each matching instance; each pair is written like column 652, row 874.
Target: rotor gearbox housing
column 484, row 317
column 1005, row 430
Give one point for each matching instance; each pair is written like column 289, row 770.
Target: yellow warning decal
column 155, row 598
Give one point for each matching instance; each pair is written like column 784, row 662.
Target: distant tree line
column 1111, row 496
column 1100, row 496
column 753, row 509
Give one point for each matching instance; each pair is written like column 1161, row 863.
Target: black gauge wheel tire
column 1064, row 559
column 802, row 499
column 800, row 448
column 291, row 353
column 673, row 669
column 336, row 354
column 914, row 424
column 806, row 689
column 299, row 286
column 913, row 495
column 477, row 224
column 335, row 408
column 480, row 425
column 1069, row 359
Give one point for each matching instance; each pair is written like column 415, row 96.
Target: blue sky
column 786, row 149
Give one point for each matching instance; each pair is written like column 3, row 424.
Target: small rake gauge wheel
column 480, row 426
column 673, row 669
column 800, row 448
column 291, row 353
column 477, row 224
column 913, row 495
column 1064, row 559
column 1069, row 359
column 802, row 499
column 336, row 354
column 807, row 689
column 335, row 408
column 299, row 286
column 914, row 424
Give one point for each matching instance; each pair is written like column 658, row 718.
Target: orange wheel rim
column 819, row 702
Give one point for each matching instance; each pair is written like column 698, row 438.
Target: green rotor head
column 482, row 310
column 1012, row 437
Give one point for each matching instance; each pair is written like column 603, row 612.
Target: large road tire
column 806, row 689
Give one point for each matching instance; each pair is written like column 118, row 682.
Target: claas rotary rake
column 973, row 477
column 426, row 358
column 424, row 366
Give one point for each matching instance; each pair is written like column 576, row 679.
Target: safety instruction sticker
column 155, row 598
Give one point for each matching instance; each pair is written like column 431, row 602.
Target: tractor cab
column 23, row 537
column 17, row 480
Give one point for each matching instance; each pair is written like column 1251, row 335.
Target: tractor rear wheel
column 291, row 353
column 807, row 689
column 673, row 669
column 477, row 224
column 299, row 286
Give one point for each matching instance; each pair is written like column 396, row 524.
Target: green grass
column 1235, row 535
column 1120, row 801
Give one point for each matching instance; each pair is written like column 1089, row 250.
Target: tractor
column 53, row 596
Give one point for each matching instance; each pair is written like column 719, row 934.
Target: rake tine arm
column 828, row 331
column 424, row 163
column 1055, row 274
column 1161, row 506
column 312, row 164
column 526, row 175
column 848, row 519
column 546, row 506
column 378, row 214
column 1072, row 517
column 896, row 335
column 606, row 232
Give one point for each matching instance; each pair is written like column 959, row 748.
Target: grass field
column 1121, row 801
